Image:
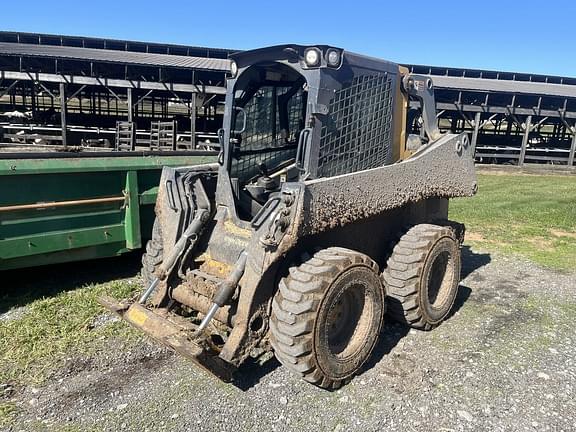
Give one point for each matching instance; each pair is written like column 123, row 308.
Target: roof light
column 233, row 69
column 312, row 57
column 333, row 58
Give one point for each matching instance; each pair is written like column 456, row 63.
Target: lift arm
column 422, row 88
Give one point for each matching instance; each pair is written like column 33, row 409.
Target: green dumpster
column 59, row 207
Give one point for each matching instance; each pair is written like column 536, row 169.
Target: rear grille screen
column 356, row 134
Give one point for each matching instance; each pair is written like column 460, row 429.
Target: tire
column 422, row 275
column 306, row 333
column 154, row 254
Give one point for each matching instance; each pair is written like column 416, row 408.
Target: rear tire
column 154, row 254
column 422, row 276
column 327, row 316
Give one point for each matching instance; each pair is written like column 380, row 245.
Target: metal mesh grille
column 262, row 140
column 357, row 133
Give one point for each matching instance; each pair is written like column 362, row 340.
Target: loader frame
column 331, row 168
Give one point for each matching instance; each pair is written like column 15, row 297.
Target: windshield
column 268, row 115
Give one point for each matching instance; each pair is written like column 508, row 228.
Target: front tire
column 327, row 316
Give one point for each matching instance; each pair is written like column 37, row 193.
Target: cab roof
column 295, row 52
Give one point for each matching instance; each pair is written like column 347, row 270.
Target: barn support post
column 527, row 129
column 130, row 105
column 572, row 147
column 476, row 130
column 193, row 120
column 63, row 114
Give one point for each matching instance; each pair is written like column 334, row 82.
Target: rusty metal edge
column 170, row 335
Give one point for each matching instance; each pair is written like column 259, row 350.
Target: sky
column 519, row 36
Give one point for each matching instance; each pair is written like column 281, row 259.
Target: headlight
column 333, row 58
column 312, row 57
column 233, row 69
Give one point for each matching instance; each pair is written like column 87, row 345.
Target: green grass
column 529, row 215
column 54, row 328
column 7, row 413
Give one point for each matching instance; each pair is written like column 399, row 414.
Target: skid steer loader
column 321, row 215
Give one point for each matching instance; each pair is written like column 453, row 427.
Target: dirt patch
column 542, row 243
column 527, row 170
column 473, row 236
column 85, row 385
column 560, row 233
column 477, row 237
column 13, row 314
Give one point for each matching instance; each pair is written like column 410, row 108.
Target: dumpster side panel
column 62, row 210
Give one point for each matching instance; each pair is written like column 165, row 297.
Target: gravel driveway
column 505, row 360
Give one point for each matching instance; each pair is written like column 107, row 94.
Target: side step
column 171, row 334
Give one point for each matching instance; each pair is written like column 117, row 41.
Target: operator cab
column 296, row 113
column 268, row 114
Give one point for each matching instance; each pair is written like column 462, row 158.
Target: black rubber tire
column 154, row 254
column 422, row 276
column 334, row 281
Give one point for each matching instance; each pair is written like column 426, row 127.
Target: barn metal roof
column 110, row 43
column 112, row 56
